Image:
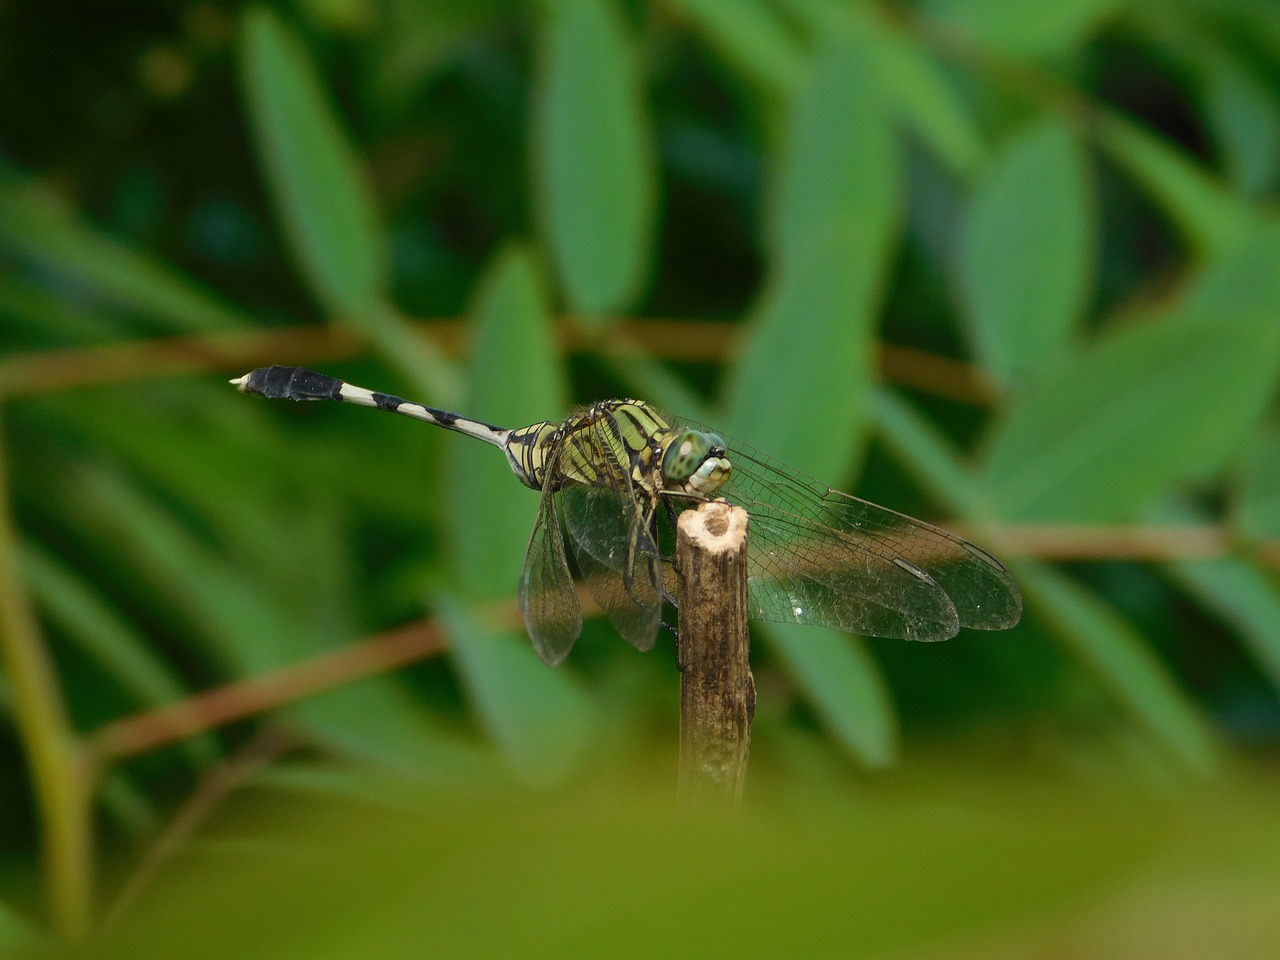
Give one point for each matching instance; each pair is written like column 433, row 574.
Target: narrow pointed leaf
column 321, row 195
column 840, row 678
column 515, row 378
column 751, row 36
column 1026, row 251
column 36, row 227
column 594, row 176
column 1112, row 650
column 1148, row 406
column 1120, row 658
column 1209, row 216
column 1245, row 116
column 537, row 717
column 835, row 221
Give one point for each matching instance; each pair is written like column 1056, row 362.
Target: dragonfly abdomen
column 296, row 383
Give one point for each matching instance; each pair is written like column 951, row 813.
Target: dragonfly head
column 695, row 462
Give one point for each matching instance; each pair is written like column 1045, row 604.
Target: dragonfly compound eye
column 691, row 457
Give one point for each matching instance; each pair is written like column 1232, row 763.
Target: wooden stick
column 717, row 692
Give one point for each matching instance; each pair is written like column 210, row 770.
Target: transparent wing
column 820, row 556
column 610, row 527
column 548, row 599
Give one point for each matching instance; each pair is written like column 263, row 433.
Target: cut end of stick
column 716, row 526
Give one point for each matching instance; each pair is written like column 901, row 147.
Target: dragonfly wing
column 548, row 599
column 610, row 527
column 825, row 557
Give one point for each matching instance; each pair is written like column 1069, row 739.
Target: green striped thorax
column 618, row 435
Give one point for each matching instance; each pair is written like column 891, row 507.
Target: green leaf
column 241, row 623
column 1026, row 251
column 1243, row 278
column 1209, row 216
column 838, row 181
column 917, row 443
column 751, row 36
column 836, row 218
column 1256, row 507
column 1050, row 28
column 321, row 194
column 1244, row 116
column 843, row 685
column 1146, row 407
column 1121, row 660
column 1236, row 590
column 917, row 88
column 16, row 932
column 79, row 610
column 537, row 716
column 35, row 226
column 515, row 378
column 1115, row 653
column 594, row 166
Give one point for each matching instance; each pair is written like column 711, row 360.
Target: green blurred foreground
column 938, row 864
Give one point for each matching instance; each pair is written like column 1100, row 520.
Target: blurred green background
column 1010, row 267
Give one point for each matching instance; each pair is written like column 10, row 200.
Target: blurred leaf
column 1051, row 28
column 1207, row 214
column 1245, row 117
column 1236, row 590
column 241, row 624
column 1256, row 510
column 920, row 446
column 800, row 387
column 941, row 864
column 537, row 716
column 1113, row 651
column 321, row 195
column 1147, row 406
column 1121, row 659
column 1026, row 252
column 802, row 382
column 1244, row 596
column 37, row 227
column 655, row 381
column 594, row 177
column 16, row 932
column 1243, row 279
column 516, row 379
column 844, row 687
column 910, row 80
column 838, row 174
column 90, row 622
column 927, row 99
column 751, row 36
column 128, row 806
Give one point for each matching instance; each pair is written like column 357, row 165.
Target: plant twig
column 218, row 783
column 717, row 692
column 252, row 695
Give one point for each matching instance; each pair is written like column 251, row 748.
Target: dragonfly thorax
column 695, row 462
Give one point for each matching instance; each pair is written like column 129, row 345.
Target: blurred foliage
column 1014, row 267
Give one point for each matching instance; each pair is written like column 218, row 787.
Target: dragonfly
column 619, row 473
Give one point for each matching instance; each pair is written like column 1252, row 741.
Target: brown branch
column 680, row 340
column 1125, row 542
column 245, row 698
